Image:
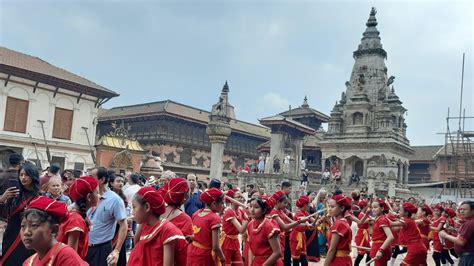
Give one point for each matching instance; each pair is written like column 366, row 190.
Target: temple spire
column 225, row 88
column 305, row 102
column 370, row 43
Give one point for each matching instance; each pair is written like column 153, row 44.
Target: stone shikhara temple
column 367, row 131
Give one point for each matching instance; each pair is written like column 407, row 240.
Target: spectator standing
column 194, row 203
column 53, row 171
column 325, row 177
column 55, row 191
column 109, row 213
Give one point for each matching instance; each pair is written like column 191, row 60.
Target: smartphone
column 14, row 182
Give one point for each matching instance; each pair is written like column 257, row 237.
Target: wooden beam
column 55, row 92
column 35, row 87
column 8, row 79
column 79, row 97
column 97, row 103
column 104, row 101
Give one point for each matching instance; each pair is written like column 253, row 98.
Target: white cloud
column 275, row 101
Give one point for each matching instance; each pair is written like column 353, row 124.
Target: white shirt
column 130, row 192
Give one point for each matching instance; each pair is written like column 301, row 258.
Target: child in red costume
column 362, row 237
column 75, row 230
column 341, row 235
column 235, row 223
column 205, row 249
column 297, row 236
column 382, row 236
column 438, row 222
column 39, row 226
column 410, row 236
column 161, row 242
column 424, row 223
column 263, row 234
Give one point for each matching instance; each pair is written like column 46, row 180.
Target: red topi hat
column 409, row 207
column 210, row 195
column 82, row 186
column 302, row 201
column 54, row 208
column 154, row 198
column 277, row 195
column 175, row 190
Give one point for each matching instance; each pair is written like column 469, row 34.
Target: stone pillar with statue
column 218, row 129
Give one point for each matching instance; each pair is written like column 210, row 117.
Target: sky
column 272, row 53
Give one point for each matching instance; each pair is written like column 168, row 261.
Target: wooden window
column 78, row 166
column 16, row 115
column 62, row 123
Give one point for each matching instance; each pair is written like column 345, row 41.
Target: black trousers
column 97, row 254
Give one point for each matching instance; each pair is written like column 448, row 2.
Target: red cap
column 154, row 198
column 409, row 207
column 269, row 203
column 175, row 190
column 54, row 208
column 342, row 200
column 82, row 186
column 427, row 209
column 362, row 203
column 439, row 207
column 230, row 193
column 302, row 201
column 210, row 195
column 384, row 205
column 450, row 212
column 277, row 195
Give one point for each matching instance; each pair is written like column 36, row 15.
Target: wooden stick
column 236, row 202
column 370, row 261
column 359, row 247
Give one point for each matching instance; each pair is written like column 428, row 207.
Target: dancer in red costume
column 297, row 236
column 341, row 235
column 382, row 236
column 438, row 222
column 410, row 236
column 263, row 234
column 424, row 223
column 205, row 249
column 362, row 237
column 74, row 231
column 39, row 226
column 235, row 222
column 161, row 242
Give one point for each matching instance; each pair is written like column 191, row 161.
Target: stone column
column 218, row 130
column 343, row 172
column 276, row 149
column 400, row 173
column 405, row 173
column 371, row 185
column 391, row 186
column 364, row 171
column 296, row 171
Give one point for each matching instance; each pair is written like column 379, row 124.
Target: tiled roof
column 305, row 111
column 119, row 143
column 281, row 119
column 30, row 67
column 179, row 110
column 424, row 153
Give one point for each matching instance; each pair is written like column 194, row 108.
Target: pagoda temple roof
column 305, row 111
column 119, row 143
column 279, row 119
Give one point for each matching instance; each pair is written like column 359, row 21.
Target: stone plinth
column 218, row 130
column 151, row 166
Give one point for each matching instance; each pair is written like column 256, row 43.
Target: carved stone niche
column 186, row 156
column 122, row 160
column 200, row 161
column 170, row 157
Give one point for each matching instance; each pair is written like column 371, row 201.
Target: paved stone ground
column 397, row 262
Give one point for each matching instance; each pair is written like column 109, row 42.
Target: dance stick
column 235, row 201
column 370, row 261
column 314, row 214
column 359, row 247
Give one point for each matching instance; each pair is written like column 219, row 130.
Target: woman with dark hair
column 75, row 230
column 116, row 182
column 12, row 206
column 263, row 234
column 39, row 228
column 382, row 236
column 341, row 233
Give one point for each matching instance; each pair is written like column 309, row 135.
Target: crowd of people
column 107, row 218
